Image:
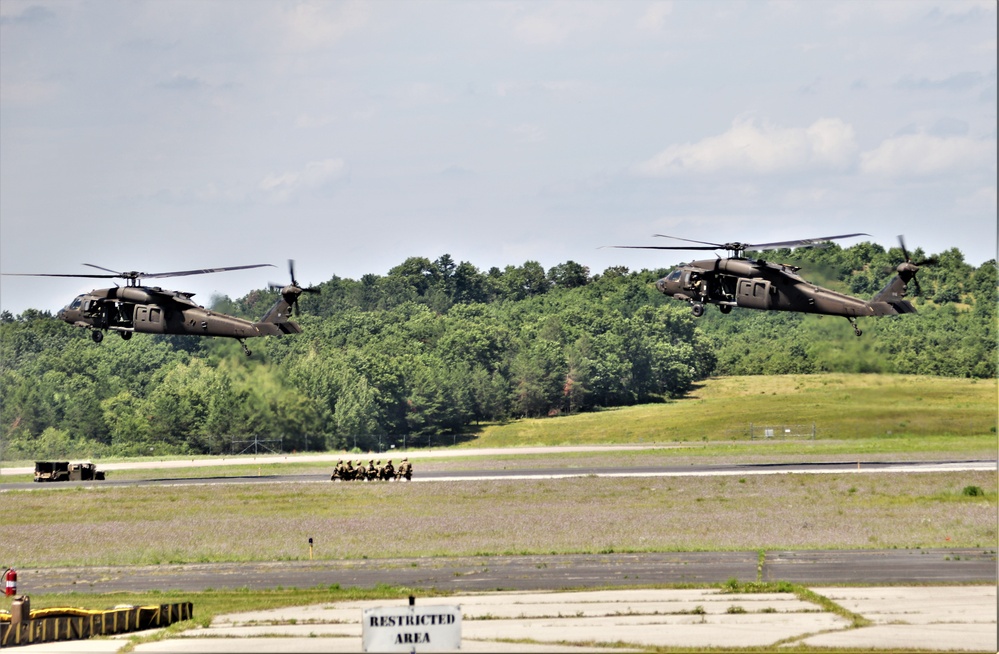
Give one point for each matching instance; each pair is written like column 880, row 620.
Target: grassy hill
column 840, row 406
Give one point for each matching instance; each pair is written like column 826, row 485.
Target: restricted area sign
column 411, row 628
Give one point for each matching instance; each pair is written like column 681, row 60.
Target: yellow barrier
column 54, row 624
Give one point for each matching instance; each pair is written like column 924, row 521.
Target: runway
column 861, row 466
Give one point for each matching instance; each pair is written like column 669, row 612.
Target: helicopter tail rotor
column 291, row 292
column 894, row 293
column 909, row 268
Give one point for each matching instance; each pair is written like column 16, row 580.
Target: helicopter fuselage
column 768, row 286
column 152, row 310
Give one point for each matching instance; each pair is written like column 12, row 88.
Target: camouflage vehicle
column 66, row 471
column 51, row 470
column 85, row 472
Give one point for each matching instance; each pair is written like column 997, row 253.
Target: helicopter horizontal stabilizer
column 277, row 328
column 890, row 301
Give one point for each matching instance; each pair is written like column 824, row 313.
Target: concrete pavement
column 924, row 617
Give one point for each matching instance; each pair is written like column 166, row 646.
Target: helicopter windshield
column 75, row 304
column 675, row 275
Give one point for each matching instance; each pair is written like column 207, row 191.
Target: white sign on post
column 411, row 628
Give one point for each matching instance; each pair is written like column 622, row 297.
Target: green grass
column 840, row 406
column 851, row 414
column 273, row 522
column 213, row 602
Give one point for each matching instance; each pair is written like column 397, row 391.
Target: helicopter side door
column 755, row 293
column 148, row 319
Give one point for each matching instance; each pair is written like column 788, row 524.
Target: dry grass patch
column 118, row 526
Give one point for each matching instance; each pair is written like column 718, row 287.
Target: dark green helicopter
column 136, row 308
column 736, row 281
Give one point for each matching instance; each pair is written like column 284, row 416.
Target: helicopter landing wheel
column 125, row 335
column 724, row 308
column 697, row 309
column 97, row 336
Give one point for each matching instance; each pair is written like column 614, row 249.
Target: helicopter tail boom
column 891, row 300
column 276, row 321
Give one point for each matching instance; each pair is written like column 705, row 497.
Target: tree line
column 435, row 347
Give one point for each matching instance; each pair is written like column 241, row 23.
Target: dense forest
column 435, row 346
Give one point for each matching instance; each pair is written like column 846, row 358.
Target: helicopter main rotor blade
column 715, row 246
column 664, row 247
column 116, row 273
column 821, row 241
column 59, row 275
column 136, row 275
column 203, row 271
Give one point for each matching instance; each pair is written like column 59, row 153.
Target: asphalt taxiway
column 961, row 618
column 536, row 572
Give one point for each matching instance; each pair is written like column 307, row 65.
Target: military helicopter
column 736, row 281
column 153, row 310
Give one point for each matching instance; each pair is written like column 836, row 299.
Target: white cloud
column 315, row 24
column 316, row 175
column 528, row 133
column 551, row 24
column 30, row 92
column 918, row 155
column 541, row 29
column 980, row 201
column 654, row 18
column 759, row 149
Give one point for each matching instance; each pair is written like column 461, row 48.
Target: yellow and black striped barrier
column 55, row 624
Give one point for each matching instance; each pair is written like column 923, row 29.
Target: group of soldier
column 374, row 471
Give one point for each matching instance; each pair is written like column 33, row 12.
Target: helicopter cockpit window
column 675, row 275
column 75, row 304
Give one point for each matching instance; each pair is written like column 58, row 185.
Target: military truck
column 66, row 471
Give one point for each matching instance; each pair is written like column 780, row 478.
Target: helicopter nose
column 661, row 285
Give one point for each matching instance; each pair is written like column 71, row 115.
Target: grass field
column 270, row 522
column 727, row 408
column 928, row 418
column 884, row 415
column 856, row 417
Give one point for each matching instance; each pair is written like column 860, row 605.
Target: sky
column 349, row 136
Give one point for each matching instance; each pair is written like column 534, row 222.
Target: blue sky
column 159, row 136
